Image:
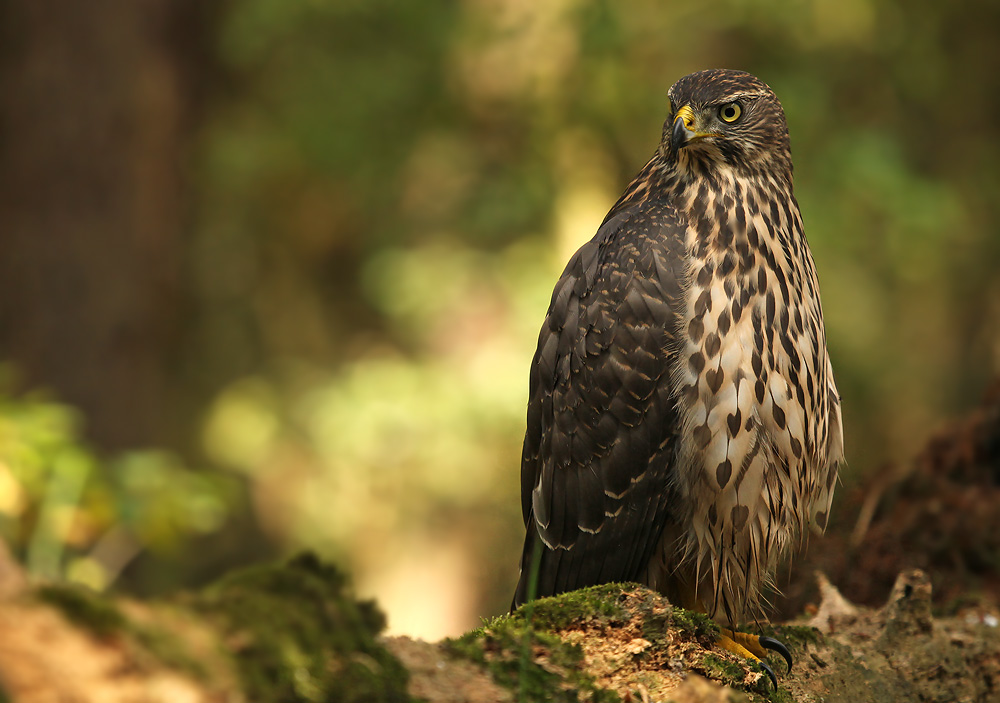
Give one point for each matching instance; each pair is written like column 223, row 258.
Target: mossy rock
column 149, row 644
column 539, row 665
column 85, row 608
column 297, row 634
column 522, row 652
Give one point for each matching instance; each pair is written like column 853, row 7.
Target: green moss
column 512, row 646
column 489, row 624
column 168, row 649
column 85, row 609
column 303, row 637
column 695, row 625
column 97, row 614
column 732, row 673
column 780, row 696
column 587, row 605
column 795, row 636
column 523, row 655
column 722, row 670
column 298, row 634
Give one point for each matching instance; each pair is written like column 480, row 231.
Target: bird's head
column 728, row 117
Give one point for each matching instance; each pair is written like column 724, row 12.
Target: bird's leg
column 758, row 645
column 754, row 647
column 745, row 645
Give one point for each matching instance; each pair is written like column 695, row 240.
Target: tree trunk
column 96, row 106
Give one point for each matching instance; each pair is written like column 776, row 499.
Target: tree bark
column 97, row 102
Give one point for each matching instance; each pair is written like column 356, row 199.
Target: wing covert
column 598, row 450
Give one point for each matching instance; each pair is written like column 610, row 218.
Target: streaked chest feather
column 752, row 369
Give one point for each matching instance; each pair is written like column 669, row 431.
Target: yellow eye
column 730, row 112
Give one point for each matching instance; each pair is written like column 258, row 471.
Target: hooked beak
column 685, row 129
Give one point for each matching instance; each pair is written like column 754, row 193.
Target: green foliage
column 77, row 515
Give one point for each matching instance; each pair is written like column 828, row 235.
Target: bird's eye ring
column 730, row 112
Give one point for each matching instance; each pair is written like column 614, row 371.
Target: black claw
column 770, row 673
column 776, row 646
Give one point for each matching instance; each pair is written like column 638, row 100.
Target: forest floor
column 289, row 633
column 627, row 643
column 915, row 619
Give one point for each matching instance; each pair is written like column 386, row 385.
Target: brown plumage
column 683, row 423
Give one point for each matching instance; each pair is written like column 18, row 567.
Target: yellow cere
column 687, row 114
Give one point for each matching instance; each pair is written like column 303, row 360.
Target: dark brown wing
column 598, row 452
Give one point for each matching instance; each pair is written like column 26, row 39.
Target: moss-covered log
column 287, row 632
column 293, row 632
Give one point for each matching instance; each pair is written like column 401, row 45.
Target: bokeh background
column 271, row 271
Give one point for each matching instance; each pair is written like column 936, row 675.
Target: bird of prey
column 683, row 424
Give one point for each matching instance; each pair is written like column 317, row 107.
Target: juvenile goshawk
column 684, row 427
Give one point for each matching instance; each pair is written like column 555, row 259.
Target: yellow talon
column 742, row 644
column 754, row 648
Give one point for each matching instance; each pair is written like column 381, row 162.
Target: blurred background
column 272, row 271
